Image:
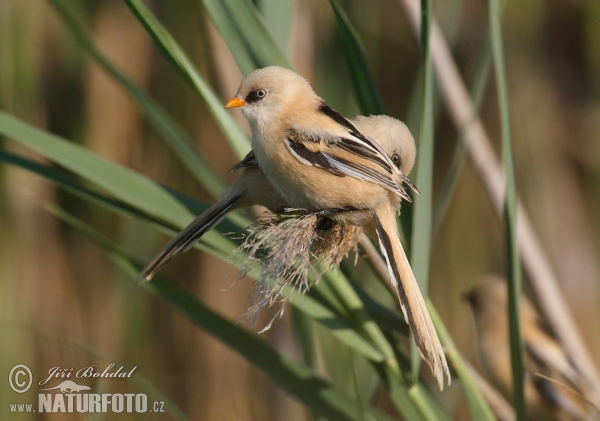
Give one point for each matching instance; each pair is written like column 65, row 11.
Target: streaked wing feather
column 364, row 172
column 332, row 152
column 361, row 139
column 311, row 158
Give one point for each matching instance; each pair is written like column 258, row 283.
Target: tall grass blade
column 477, row 404
column 413, row 406
column 171, row 132
column 353, row 309
column 430, row 408
column 513, row 266
column 119, row 181
column 422, row 212
column 245, row 33
column 212, row 242
column 173, row 52
column 304, row 332
column 368, row 97
column 278, row 16
column 390, row 371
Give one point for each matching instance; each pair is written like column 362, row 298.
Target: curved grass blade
column 175, row 137
column 386, row 318
column 478, row 406
column 430, row 408
column 173, row 52
column 368, row 97
column 513, row 265
column 340, row 291
column 119, row 181
column 212, row 242
column 421, row 229
column 421, row 403
column 315, row 392
column 245, row 33
column 278, row 17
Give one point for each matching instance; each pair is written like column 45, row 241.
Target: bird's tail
column 189, row 235
column 411, row 301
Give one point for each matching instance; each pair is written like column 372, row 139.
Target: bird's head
column 393, row 136
column 488, row 294
column 267, row 93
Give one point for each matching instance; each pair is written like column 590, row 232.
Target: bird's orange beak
column 235, row 102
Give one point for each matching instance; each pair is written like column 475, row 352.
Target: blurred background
column 63, row 303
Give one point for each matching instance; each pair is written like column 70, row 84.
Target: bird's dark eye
column 256, row 95
column 396, row 159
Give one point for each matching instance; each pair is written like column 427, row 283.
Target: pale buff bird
column 252, row 187
column 545, row 400
column 317, row 159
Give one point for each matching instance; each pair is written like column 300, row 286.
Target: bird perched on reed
column 317, row 159
column 252, row 187
column 545, row 399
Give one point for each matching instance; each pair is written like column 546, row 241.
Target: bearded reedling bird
column 252, row 187
column 317, row 159
column 545, row 400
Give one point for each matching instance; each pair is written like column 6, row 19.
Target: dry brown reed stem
column 487, row 165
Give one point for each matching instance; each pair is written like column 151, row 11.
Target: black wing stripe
column 337, row 117
column 343, row 121
column 358, row 149
column 341, row 167
column 317, row 159
column 368, row 173
column 356, row 144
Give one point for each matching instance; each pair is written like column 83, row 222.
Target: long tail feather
column 188, row 236
column 411, row 301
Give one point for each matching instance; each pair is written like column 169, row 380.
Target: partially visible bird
column 252, row 187
column 545, row 399
column 317, row 159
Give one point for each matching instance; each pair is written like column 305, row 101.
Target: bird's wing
column 248, row 161
column 345, row 155
column 546, row 357
column 356, row 142
column 332, row 158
